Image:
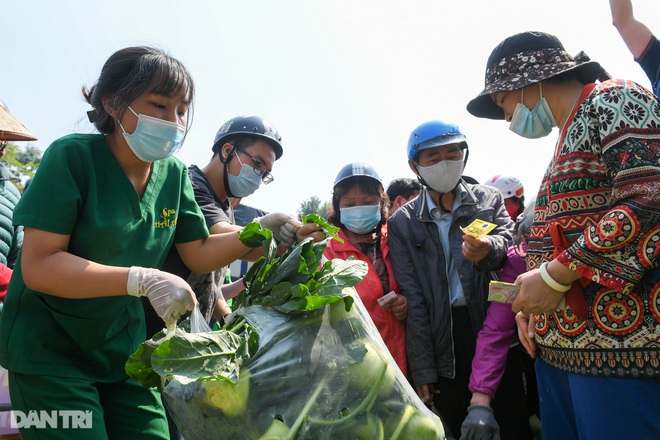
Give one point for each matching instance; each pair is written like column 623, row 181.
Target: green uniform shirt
column 80, row 190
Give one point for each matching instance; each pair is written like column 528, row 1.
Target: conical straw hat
column 11, row 129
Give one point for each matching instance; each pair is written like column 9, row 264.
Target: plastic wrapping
column 324, row 374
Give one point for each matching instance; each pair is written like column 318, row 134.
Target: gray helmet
column 357, row 169
column 252, row 126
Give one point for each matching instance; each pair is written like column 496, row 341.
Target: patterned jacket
column 602, row 190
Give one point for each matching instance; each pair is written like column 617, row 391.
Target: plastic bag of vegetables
column 298, row 359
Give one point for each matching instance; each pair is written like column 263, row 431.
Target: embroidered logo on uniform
column 168, row 217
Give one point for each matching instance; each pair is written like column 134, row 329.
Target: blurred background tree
column 22, row 161
column 313, row 205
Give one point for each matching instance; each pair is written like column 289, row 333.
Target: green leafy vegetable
column 331, row 230
column 296, row 282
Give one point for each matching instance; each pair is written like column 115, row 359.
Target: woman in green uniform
column 100, row 216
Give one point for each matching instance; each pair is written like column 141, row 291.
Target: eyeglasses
column 259, row 167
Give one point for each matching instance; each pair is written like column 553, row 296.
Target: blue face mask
column 154, row 139
column 360, row 219
column 533, row 124
column 245, row 183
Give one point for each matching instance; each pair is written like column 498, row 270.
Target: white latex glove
column 288, row 232
column 170, row 295
column 284, row 226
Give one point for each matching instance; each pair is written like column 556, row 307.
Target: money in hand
column 385, row 300
column 478, row 228
column 502, row 292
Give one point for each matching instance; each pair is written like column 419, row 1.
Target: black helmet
column 357, row 169
column 249, row 125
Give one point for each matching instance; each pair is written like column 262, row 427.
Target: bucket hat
column 524, row 59
column 10, row 127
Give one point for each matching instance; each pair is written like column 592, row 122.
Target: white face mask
column 442, row 176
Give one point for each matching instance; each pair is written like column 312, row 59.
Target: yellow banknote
column 478, row 228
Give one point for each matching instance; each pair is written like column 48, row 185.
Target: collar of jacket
column 348, row 246
column 468, row 206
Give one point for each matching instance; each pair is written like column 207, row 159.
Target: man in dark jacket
column 444, row 274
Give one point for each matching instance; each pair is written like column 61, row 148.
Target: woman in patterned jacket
column 592, row 290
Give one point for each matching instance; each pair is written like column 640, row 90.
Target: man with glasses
column 244, row 152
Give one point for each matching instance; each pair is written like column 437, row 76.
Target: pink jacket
column 370, row 289
column 495, row 336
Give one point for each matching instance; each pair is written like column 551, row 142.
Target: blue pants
column 596, row 408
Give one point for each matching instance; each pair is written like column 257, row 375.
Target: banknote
column 502, row 292
column 386, row 299
column 478, row 228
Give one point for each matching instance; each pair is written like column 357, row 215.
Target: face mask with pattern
column 442, row 176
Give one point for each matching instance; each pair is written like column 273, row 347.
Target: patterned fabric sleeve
column 625, row 242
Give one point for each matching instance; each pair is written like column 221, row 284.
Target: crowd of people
column 130, row 239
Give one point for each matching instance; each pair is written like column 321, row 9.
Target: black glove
column 480, row 424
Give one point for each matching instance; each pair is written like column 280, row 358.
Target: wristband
column 554, row 285
column 244, row 282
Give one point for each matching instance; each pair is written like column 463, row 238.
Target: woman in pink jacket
column 359, row 208
column 494, row 348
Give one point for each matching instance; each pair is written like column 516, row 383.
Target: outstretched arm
column 634, row 33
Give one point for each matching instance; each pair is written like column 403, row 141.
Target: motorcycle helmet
column 357, row 169
column 249, row 125
column 432, row 134
column 509, row 185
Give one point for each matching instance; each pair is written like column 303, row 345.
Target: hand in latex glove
column 284, row 226
column 480, row 424
column 170, row 295
column 288, row 232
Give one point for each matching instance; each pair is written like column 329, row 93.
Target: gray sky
column 343, row 81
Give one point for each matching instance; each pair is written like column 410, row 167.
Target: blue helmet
column 433, row 134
